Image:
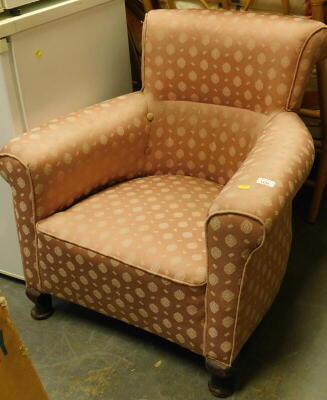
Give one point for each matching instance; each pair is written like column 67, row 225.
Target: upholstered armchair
column 170, row 208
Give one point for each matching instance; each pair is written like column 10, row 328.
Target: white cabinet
column 8, row 4
column 56, row 57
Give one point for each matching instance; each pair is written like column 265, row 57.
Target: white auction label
column 266, row 182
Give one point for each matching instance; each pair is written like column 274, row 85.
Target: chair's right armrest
column 54, row 165
column 73, row 155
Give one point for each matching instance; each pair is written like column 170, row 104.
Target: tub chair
column 170, row 208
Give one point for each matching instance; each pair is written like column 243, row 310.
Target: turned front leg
column 42, row 304
column 221, row 383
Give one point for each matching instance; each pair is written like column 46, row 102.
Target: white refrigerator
column 56, row 57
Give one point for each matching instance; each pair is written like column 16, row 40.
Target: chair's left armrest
column 249, row 232
column 271, row 174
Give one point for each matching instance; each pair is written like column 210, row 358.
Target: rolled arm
column 249, row 233
column 52, row 166
column 283, row 157
column 69, row 157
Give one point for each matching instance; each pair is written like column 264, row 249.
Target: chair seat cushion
column 156, row 224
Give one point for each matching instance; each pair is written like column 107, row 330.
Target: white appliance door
column 72, row 62
column 10, row 260
column 16, row 3
column 10, row 123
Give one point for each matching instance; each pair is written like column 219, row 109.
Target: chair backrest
column 259, row 62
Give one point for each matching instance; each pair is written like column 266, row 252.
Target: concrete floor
column 82, row 355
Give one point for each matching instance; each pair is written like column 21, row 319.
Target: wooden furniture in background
column 285, row 5
column 148, row 4
column 318, row 184
column 135, row 13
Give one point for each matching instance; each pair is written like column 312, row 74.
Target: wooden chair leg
column 221, row 383
column 318, row 10
column 204, row 3
column 226, row 4
column 248, row 4
column 318, row 13
column 320, row 181
column 42, row 304
column 171, row 3
column 148, row 6
column 286, row 6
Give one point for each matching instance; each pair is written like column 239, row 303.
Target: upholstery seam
column 220, row 362
column 297, row 67
column 240, row 291
column 258, row 219
column 148, row 123
column 243, row 277
column 144, row 33
column 273, row 116
column 119, row 260
column 236, row 212
column 3, row 155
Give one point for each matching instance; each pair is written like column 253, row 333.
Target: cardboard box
column 18, row 379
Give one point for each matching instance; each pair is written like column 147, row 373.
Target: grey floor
column 82, row 355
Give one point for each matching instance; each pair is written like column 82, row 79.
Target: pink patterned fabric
column 201, row 140
column 249, row 241
column 166, row 308
column 19, row 177
column 170, row 208
column 243, row 60
column 75, row 154
column 155, row 224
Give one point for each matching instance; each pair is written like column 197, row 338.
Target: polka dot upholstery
column 170, row 208
column 18, row 176
column 114, row 288
column 99, row 140
column 201, row 140
column 256, row 232
column 261, row 279
column 244, row 60
column 244, row 274
column 286, row 167
column 155, row 224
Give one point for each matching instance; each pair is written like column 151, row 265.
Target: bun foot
column 221, row 383
column 43, row 304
